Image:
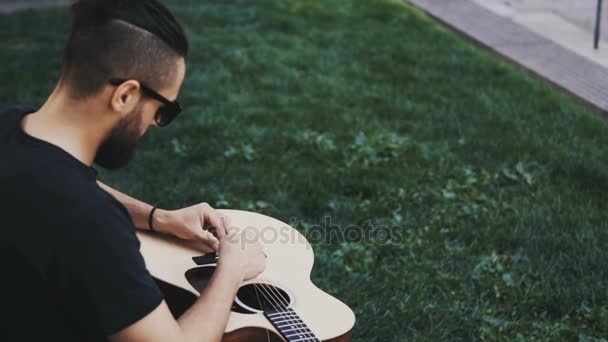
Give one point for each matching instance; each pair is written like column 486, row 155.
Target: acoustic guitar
column 280, row 304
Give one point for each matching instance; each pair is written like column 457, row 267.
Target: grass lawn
column 365, row 112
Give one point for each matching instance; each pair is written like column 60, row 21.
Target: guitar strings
column 290, row 317
column 299, row 327
column 285, row 314
column 260, row 303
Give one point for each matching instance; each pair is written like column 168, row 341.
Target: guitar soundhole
column 199, row 277
column 259, row 297
column 250, row 298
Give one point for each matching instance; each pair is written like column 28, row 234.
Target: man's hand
column 199, row 222
column 241, row 252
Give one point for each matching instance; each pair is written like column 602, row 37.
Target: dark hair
column 137, row 39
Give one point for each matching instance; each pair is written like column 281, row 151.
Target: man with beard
column 69, row 252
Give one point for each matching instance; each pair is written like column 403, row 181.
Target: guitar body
column 281, row 304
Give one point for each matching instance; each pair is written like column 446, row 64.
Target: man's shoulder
column 10, row 114
column 7, row 110
column 89, row 219
column 90, row 203
column 74, row 200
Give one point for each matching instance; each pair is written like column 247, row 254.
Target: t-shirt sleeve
column 106, row 272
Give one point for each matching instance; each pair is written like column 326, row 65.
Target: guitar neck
column 290, row 325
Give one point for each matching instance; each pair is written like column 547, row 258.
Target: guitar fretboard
column 290, row 325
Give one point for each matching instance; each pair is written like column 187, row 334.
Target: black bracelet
column 150, row 219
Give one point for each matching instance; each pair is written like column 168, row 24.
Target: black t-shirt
column 69, row 256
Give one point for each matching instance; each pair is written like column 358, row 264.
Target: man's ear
column 125, row 97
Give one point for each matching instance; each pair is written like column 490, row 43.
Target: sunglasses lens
column 166, row 114
column 161, row 117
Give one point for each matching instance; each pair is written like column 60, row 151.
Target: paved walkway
column 569, row 23
column 580, row 13
column 580, row 76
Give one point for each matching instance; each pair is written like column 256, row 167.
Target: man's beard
column 118, row 148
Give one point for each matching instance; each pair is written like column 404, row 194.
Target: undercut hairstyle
column 130, row 39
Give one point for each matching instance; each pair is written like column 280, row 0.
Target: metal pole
column 598, row 22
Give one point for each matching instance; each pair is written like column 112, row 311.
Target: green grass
column 368, row 112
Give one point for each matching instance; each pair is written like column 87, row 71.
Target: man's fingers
column 226, row 223
column 208, row 239
column 213, row 218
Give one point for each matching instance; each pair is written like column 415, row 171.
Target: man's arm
column 207, row 318
column 204, row 321
column 198, row 222
column 138, row 210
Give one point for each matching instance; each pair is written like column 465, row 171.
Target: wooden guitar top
column 288, row 265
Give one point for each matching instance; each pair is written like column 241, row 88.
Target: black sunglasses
column 165, row 114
